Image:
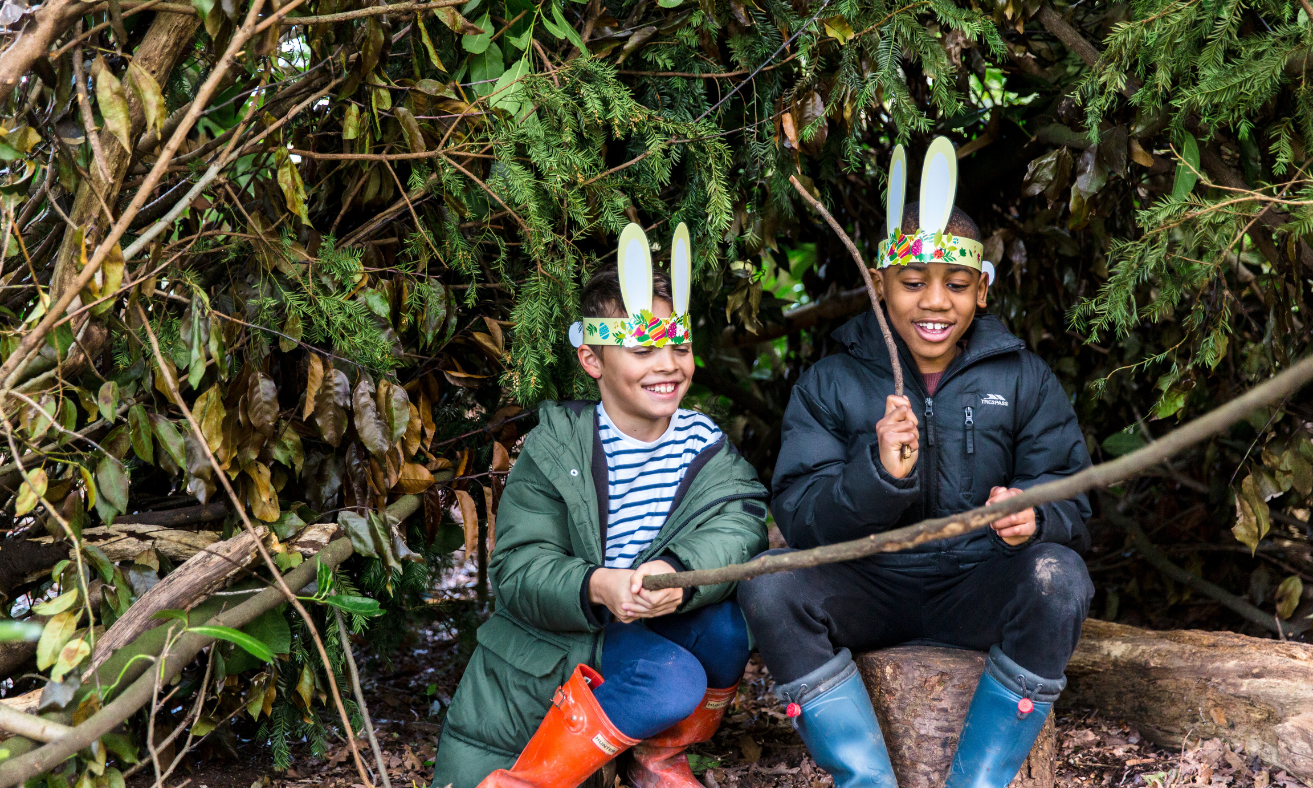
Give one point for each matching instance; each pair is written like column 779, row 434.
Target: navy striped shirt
column 642, row 478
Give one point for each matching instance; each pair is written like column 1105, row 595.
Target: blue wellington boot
column 1006, row 716
column 833, row 714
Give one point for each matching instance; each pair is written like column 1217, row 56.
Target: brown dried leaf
column 330, row 406
column 262, row 402
column 314, row 378
column 501, row 459
column 415, row 478
column 490, row 504
column 470, row 519
column 368, row 425
column 411, row 441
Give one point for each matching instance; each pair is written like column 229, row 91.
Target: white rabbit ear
column 681, row 268
column 938, row 185
column 634, row 259
column 987, row 268
column 896, row 195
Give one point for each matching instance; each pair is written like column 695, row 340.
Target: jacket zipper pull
column 971, row 431
column 929, row 427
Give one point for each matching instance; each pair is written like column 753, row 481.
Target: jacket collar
column 862, row 339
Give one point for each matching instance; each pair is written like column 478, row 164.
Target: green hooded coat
column 550, row 534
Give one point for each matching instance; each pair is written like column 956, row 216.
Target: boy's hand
column 650, row 604
column 610, row 587
column 622, row 592
column 896, row 430
column 1016, row 528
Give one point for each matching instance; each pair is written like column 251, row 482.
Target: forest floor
column 755, row 747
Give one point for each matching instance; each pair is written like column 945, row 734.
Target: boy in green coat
column 580, row 663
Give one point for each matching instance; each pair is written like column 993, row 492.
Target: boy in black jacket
column 983, row 418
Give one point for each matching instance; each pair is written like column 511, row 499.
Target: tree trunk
column 921, row 695
column 1172, row 685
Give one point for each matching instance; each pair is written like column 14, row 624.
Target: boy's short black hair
column 602, row 296
column 959, row 223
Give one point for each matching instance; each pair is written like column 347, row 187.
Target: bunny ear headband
column 641, row 328
column 930, row 244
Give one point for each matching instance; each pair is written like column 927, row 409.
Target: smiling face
column 642, row 386
column 931, row 307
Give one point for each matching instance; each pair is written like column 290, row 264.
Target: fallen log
column 200, row 575
column 921, row 695
column 1183, row 684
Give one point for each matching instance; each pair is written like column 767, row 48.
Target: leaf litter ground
column 755, row 747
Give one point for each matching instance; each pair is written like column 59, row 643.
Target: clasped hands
column 898, row 428
column 622, row 592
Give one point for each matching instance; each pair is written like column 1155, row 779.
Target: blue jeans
column 657, row 670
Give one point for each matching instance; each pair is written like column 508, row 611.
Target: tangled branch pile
column 353, row 234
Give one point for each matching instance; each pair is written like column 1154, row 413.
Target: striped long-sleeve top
column 642, row 478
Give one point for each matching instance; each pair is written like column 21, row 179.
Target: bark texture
column 921, row 695
column 1186, row 683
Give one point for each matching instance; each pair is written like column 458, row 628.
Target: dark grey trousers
column 1030, row 602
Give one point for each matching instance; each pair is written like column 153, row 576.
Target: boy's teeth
column 661, row 388
column 934, row 326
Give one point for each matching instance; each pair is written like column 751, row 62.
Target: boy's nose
column 935, row 297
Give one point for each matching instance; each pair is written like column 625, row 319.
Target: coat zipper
column 930, row 458
column 971, row 430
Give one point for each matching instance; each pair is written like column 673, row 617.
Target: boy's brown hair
column 602, row 296
column 959, row 223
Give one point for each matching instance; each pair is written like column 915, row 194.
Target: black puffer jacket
column 998, row 418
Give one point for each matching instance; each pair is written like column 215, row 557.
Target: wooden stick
column 870, row 291
column 1103, row 475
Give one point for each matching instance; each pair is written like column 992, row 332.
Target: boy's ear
column 877, row 279
column 982, row 289
column 590, row 359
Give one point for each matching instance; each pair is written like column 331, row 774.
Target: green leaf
column 428, row 43
column 287, row 525
column 323, row 577
column 566, row 27
column 31, row 492
column 14, row 631
column 113, row 104
column 509, row 87
column 477, row 44
column 57, row 632
column 59, row 604
column 175, row 615
column 252, row 646
column 486, row 68
column 1120, row 443
column 202, row 7
column 112, row 482
column 1288, row 595
column 358, row 605
column 360, row 532
column 70, row 656
column 289, row 180
column 148, row 93
column 351, row 122
column 122, row 746
column 1186, row 176
column 170, row 439
column 108, row 400
column 410, row 128
column 141, row 433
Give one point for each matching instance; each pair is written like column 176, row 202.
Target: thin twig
column 360, row 699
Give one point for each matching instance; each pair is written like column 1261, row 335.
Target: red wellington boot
column 574, row 740
column 659, row 762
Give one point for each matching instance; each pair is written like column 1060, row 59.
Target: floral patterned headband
column 642, row 328
column 930, row 244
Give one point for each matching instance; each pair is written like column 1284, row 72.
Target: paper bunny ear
column 681, row 269
column 634, row 259
column 987, row 268
column 896, row 195
column 938, row 185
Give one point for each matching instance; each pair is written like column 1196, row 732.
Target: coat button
column 574, row 471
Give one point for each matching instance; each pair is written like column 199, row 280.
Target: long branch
column 1103, row 475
